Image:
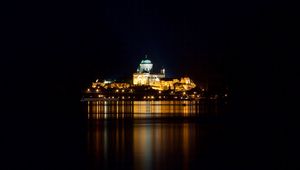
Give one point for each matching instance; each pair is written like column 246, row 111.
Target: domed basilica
column 143, row 76
column 157, row 81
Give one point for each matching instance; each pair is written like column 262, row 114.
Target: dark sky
column 79, row 41
column 54, row 49
column 107, row 39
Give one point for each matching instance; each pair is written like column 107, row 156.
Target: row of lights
column 123, row 90
column 172, row 92
column 112, row 97
column 148, row 97
column 89, row 90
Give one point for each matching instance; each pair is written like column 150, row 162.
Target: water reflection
column 146, row 109
column 116, row 145
column 124, row 135
column 152, row 144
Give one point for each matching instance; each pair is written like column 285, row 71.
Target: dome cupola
column 145, row 65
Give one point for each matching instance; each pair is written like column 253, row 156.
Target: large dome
column 146, row 61
column 145, row 65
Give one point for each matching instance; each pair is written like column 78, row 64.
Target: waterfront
column 153, row 134
column 149, row 109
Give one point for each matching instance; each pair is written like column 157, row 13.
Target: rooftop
column 146, row 61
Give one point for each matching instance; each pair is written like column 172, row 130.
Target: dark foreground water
column 154, row 135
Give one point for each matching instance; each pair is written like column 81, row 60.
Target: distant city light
column 148, row 85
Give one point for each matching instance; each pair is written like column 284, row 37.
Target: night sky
column 54, row 49
column 107, row 39
column 81, row 41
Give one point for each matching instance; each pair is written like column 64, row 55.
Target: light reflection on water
column 123, row 135
column 145, row 109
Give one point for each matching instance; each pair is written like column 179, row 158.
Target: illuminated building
column 184, row 84
column 146, row 85
column 144, row 79
column 157, row 81
column 110, row 84
column 143, row 76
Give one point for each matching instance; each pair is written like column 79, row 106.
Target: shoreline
column 116, row 99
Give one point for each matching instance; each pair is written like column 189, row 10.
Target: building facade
column 157, row 81
column 144, row 76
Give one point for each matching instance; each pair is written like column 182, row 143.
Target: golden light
column 176, row 87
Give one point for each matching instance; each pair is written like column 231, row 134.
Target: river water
column 153, row 134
